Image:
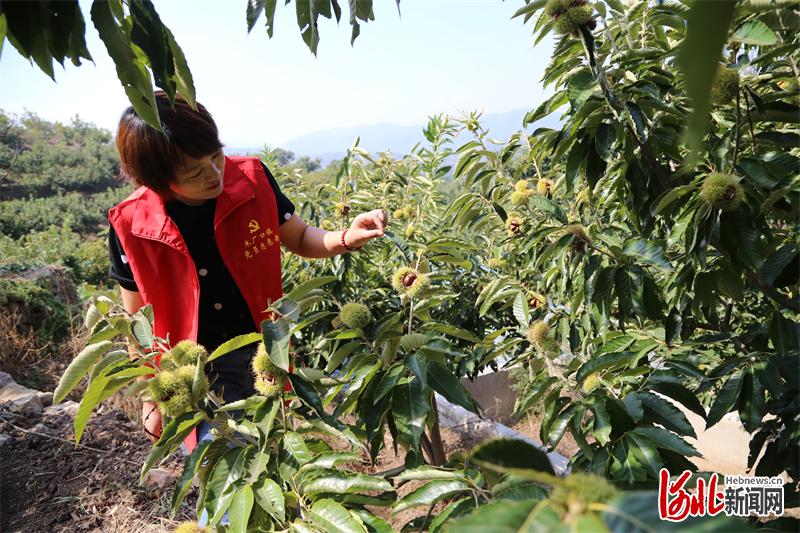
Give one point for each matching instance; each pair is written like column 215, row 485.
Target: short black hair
column 148, row 157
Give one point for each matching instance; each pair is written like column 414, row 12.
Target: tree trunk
column 438, row 456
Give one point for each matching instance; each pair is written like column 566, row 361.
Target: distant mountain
column 333, row 144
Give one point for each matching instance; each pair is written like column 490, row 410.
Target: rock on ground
column 69, row 408
column 160, row 478
column 18, row 399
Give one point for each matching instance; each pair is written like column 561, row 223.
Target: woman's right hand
column 151, row 420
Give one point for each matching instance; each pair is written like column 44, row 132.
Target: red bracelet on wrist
column 345, row 244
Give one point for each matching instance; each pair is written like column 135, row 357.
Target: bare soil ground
column 47, row 484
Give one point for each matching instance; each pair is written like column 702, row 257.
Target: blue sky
column 436, row 56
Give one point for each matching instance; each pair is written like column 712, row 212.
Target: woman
column 200, row 239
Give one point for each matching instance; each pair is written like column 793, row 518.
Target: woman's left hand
column 366, row 226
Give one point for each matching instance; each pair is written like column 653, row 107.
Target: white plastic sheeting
column 457, row 418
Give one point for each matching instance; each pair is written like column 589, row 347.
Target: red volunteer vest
column 247, row 235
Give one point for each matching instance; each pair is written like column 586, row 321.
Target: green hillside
column 57, row 182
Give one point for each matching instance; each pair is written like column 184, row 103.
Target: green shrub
column 79, row 212
column 41, row 158
column 86, row 258
column 37, row 307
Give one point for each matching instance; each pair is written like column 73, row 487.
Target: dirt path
column 725, row 446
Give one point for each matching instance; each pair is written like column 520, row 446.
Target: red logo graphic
column 675, row 503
